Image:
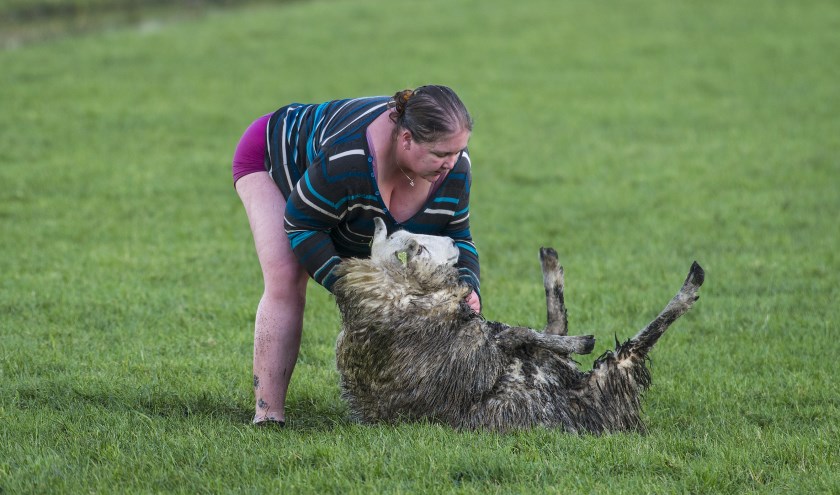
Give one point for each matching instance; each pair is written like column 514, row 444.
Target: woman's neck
column 381, row 140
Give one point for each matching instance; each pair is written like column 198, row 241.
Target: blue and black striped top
column 319, row 157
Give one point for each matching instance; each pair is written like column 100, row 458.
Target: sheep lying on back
column 411, row 349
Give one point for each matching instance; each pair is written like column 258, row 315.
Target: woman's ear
column 405, row 139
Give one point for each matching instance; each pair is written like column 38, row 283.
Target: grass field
column 634, row 137
column 27, row 21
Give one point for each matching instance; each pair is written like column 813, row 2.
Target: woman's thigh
column 265, row 207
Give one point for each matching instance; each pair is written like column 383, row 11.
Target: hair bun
column 401, row 100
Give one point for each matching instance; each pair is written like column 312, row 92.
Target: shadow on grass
column 303, row 413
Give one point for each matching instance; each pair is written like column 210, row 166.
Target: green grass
column 634, row 137
column 28, row 21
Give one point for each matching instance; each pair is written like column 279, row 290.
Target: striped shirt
column 318, row 155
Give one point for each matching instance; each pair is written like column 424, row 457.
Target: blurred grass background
column 28, row 21
column 633, row 137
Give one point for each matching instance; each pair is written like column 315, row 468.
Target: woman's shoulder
column 332, row 116
column 344, row 164
column 348, row 154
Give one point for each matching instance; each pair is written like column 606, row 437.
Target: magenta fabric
column 249, row 156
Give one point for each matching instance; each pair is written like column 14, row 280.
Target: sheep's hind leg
column 642, row 343
column 553, row 280
column 514, row 337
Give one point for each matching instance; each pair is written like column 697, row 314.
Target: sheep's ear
column 380, row 232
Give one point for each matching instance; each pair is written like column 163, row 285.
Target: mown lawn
column 634, row 137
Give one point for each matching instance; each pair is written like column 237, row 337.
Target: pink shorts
column 249, row 156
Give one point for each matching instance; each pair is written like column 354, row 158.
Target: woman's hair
column 430, row 113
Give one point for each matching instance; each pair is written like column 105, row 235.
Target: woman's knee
column 285, row 282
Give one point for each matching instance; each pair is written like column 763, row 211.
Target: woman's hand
column 473, row 302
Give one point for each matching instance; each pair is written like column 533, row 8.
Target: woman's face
column 431, row 160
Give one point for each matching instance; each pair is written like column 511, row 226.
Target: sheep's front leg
column 557, row 319
column 514, row 337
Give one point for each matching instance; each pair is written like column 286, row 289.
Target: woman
column 313, row 177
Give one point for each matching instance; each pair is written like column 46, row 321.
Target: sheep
column 410, row 349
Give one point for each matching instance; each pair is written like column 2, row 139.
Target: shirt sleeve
column 458, row 229
column 312, row 211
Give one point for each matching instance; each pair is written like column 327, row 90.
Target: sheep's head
column 402, row 247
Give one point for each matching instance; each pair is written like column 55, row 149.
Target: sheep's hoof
column 584, row 344
column 548, row 258
column 696, row 275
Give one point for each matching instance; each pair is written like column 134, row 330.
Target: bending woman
column 313, row 176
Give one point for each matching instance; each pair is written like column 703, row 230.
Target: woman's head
column 431, row 131
column 430, row 113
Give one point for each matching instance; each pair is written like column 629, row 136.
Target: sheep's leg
column 514, row 337
column 642, row 343
column 611, row 399
column 557, row 320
